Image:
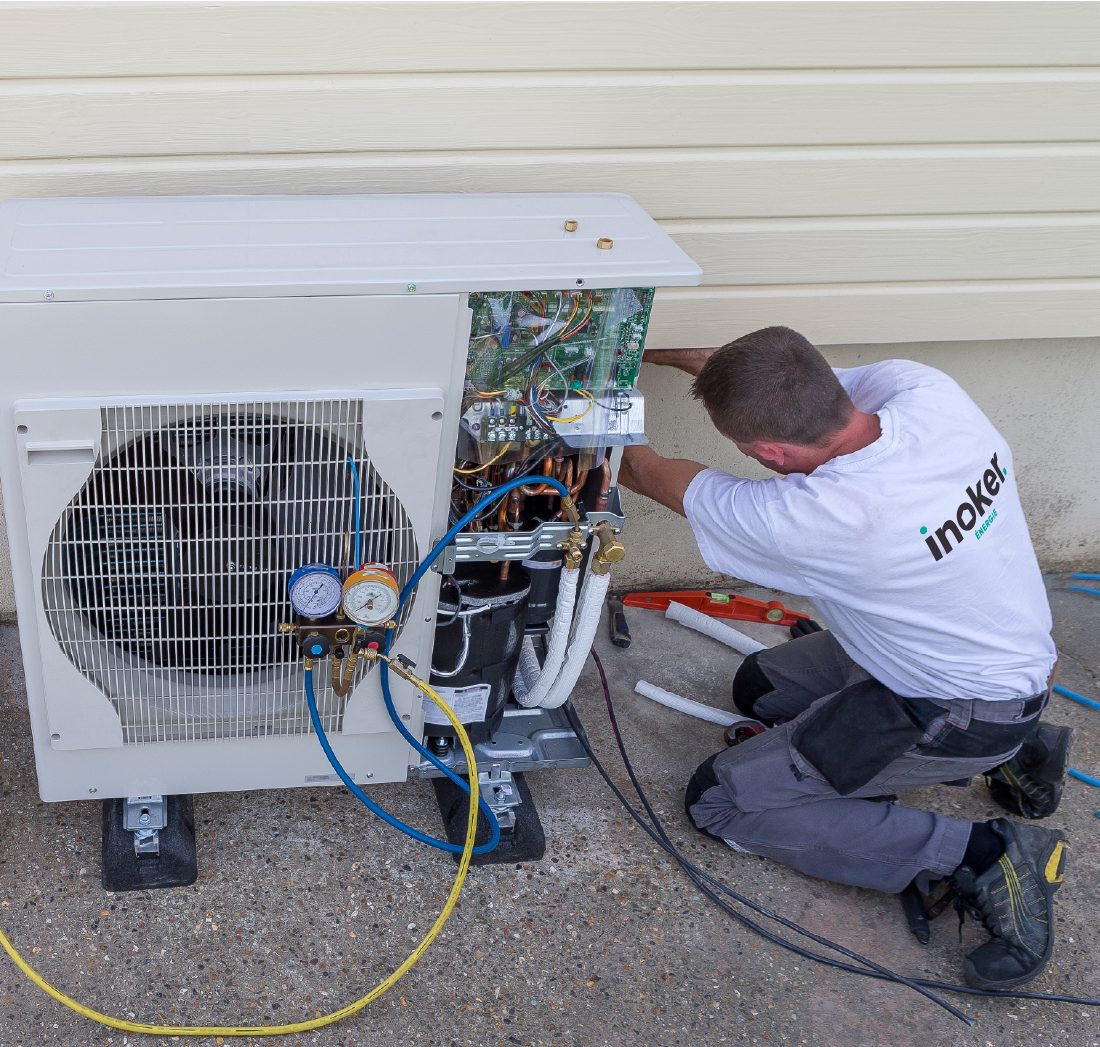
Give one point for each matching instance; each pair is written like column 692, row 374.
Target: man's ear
column 769, row 453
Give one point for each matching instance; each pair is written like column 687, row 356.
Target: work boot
column 1030, row 784
column 1014, row 899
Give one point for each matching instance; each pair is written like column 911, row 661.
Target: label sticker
column 468, row 703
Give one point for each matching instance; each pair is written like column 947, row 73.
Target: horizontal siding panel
column 863, row 250
column 48, row 118
column 57, row 40
column 880, row 314
column 669, row 183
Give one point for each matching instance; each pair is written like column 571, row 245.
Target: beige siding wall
column 870, row 173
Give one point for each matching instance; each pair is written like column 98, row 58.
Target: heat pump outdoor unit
column 223, row 415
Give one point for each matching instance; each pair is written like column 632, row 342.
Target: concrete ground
column 304, row 902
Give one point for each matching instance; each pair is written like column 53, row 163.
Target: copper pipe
column 537, row 489
column 574, row 490
column 605, row 486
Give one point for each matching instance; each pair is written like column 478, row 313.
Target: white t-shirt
column 914, row 549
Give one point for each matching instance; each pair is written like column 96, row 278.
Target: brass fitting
column 308, row 663
column 611, row 549
column 570, row 508
column 399, row 667
column 573, row 549
column 343, row 673
column 287, row 627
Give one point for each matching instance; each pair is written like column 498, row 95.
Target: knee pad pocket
column 750, row 683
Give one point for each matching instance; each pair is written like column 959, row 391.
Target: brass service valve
column 611, row 549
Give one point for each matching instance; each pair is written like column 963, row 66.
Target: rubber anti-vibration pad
column 175, row 866
column 527, row 843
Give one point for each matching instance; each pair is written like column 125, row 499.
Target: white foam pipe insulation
column 689, row 706
column 589, row 612
column 698, row 621
column 533, row 682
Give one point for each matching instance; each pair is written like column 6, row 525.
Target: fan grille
column 164, row 581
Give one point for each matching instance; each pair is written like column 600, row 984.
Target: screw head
column 145, row 819
column 410, row 288
column 48, row 295
column 93, row 791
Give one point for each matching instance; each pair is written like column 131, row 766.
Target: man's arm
column 689, row 360
column 665, row 480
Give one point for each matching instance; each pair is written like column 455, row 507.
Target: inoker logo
column 972, row 513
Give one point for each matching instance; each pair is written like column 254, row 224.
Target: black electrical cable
column 697, row 876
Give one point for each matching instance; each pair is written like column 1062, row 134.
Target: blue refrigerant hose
column 490, row 497
column 425, row 565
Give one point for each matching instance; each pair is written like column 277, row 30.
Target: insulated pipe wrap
column 584, row 633
column 698, row 621
column 687, row 705
column 532, row 684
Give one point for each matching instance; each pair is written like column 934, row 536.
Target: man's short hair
column 773, row 384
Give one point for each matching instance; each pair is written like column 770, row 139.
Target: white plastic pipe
column 689, row 706
column 589, row 611
column 700, row 622
column 532, row 684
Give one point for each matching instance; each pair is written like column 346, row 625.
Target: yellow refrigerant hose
column 326, row 1019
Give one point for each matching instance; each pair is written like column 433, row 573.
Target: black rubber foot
column 175, row 866
column 526, row 843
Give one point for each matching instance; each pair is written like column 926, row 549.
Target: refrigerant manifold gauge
column 371, row 595
column 315, row 590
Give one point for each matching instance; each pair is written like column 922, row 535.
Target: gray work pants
column 769, row 800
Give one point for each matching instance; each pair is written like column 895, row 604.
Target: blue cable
column 1083, row 589
column 358, row 530
column 311, row 700
column 1073, row 695
column 425, row 566
column 1087, row 577
column 389, row 819
column 1086, row 778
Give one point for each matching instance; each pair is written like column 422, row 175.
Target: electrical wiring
column 582, row 324
column 711, row 887
column 699, row 876
column 481, row 468
column 313, row 1023
column 575, row 417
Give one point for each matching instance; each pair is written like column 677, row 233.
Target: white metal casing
column 191, row 300
column 86, row 249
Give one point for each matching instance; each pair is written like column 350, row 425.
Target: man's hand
column 689, row 360
column 665, row 480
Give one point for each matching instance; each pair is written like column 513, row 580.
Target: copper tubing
column 547, row 466
column 605, row 486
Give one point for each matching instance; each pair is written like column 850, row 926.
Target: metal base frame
column 527, row 740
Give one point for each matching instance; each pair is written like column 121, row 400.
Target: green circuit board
column 561, row 340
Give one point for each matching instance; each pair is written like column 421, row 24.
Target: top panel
column 115, row 248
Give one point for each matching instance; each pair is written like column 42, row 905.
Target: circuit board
column 532, row 353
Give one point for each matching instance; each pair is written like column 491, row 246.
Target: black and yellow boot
column 1014, row 899
column 1030, row 784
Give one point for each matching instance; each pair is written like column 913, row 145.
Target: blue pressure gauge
column 315, row 590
